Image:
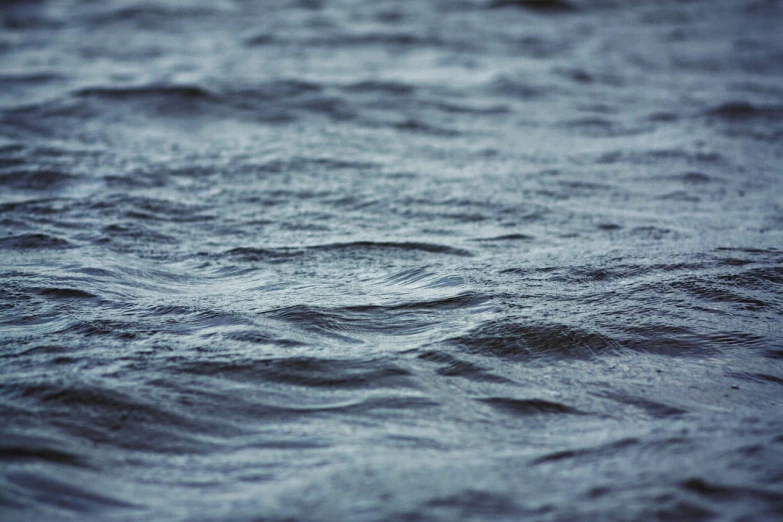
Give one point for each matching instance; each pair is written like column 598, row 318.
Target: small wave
column 288, row 411
column 663, row 339
column 120, row 330
column 475, row 109
column 127, row 419
column 577, row 75
column 742, row 110
column 392, row 39
column 381, row 87
column 680, row 196
column 408, row 277
column 266, row 255
column 652, row 408
column 274, row 102
column 598, row 127
column 451, row 366
column 459, row 301
column 504, row 85
column 16, row 448
column 256, row 337
column 163, row 100
column 130, row 233
column 66, row 293
column 763, row 378
column 529, row 406
column 405, row 246
column 508, row 338
column 714, row 490
column 696, row 178
column 275, row 255
column 150, row 209
column 44, row 179
column 399, row 319
column 168, row 92
column 422, row 277
column 28, row 16
column 766, row 278
column 507, row 237
column 151, row 15
column 737, row 338
column 609, row 226
column 542, row 6
column 310, row 372
column 318, row 319
column 31, row 79
column 63, row 493
column 415, row 125
column 475, row 504
column 33, row 241
column 6, row 162
column 716, row 292
column 299, row 163
column 662, row 156
column 589, row 452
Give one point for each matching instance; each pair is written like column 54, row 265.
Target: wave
column 398, row 320
column 589, row 452
column 33, row 241
column 66, row 293
column 451, row 366
column 528, row 406
column 543, row 6
column 406, row 246
column 365, row 248
column 32, row 449
column 743, row 110
column 38, row 180
column 62, row 494
column 514, row 339
column 310, row 372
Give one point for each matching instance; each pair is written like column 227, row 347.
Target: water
column 391, row 260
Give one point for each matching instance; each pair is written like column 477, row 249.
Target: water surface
column 391, row 260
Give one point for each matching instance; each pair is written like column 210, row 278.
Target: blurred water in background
column 391, row 260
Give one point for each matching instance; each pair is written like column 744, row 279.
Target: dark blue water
column 324, row 260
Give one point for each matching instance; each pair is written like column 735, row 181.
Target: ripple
column 663, row 339
column 507, row 237
column 543, row 6
column 756, row 377
column 311, row 372
column 404, row 246
column 508, row 338
column 66, row 293
column 65, row 494
column 743, row 110
column 399, row 319
column 451, row 366
column 529, row 406
column 33, row 241
column 29, row 449
column 618, row 446
column 381, row 87
column 169, row 93
column 42, row 180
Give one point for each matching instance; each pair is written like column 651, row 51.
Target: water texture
column 369, row 260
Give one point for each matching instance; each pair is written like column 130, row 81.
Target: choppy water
column 391, row 260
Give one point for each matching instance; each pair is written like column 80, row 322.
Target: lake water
column 364, row 260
